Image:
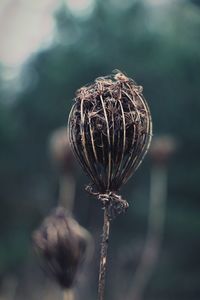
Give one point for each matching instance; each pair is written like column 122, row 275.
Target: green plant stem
column 103, row 257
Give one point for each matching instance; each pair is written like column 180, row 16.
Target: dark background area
column 158, row 46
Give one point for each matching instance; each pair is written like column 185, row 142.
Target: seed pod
column 110, row 130
column 61, row 243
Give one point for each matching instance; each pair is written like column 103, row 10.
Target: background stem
column 68, row 295
column 149, row 258
column 67, row 191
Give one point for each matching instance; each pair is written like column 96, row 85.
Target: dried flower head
column 61, row 242
column 110, row 131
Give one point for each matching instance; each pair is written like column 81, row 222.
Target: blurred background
column 49, row 49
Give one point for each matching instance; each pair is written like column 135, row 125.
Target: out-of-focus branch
column 67, row 187
column 68, row 295
column 8, row 288
column 154, row 236
column 63, row 159
column 160, row 152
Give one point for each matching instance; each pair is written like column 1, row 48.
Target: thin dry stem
column 103, row 258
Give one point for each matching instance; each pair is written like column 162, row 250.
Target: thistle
column 110, row 132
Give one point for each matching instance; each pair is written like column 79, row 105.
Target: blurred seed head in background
column 60, row 151
column 162, row 148
column 62, row 244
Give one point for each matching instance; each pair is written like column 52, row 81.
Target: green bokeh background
column 158, row 47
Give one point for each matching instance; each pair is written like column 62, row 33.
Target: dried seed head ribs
column 110, row 130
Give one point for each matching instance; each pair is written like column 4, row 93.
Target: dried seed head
column 60, row 150
column 61, row 242
column 110, row 130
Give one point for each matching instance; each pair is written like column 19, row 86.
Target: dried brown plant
column 61, row 242
column 110, row 131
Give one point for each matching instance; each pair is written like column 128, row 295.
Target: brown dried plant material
column 61, row 242
column 110, row 131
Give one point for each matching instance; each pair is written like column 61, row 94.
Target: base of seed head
column 113, row 203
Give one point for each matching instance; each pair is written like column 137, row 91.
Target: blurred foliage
column 159, row 48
